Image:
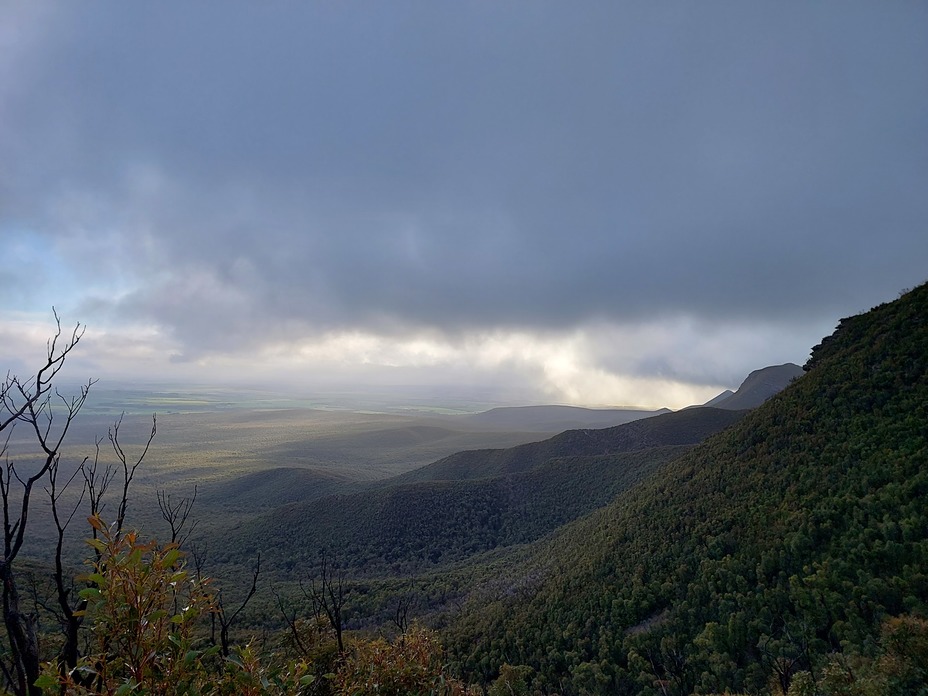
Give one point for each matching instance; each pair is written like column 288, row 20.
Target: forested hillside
column 776, row 554
column 469, row 503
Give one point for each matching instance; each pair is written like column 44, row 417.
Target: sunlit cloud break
column 599, row 365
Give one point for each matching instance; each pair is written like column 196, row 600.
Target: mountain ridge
column 673, row 428
column 756, row 388
column 759, row 386
column 557, row 418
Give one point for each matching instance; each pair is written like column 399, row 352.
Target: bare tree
column 69, row 609
column 29, row 402
column 290, row 617
column 35, row 404
column 400, row 617
column 97, row 478
column 128, row 466
column 177, row 515
column 224, row 618
column 328, row 595
column 221, row 620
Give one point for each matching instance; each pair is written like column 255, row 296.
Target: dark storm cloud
column 247, row 172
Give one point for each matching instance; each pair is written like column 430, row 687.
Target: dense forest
column 782, row 550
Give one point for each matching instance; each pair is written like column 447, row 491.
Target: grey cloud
column 410, row 166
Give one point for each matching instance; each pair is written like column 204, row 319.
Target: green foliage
column 416, row 527
column 512, row 681
column 247, row 672
column 146, row 613
column 410, row 665
column 144, row 607
column 899, row 664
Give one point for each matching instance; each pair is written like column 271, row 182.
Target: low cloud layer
column 679, row 194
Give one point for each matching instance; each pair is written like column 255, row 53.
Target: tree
column 328, row 596
column 144, row 607
column 146, row 612
column 35, row 404
column 412, row 664
column 97, row 478
column 29, row 402
column 226, row 619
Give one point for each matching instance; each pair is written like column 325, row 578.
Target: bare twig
column 290, row 619
column 128, row 468
column 177, row 515
column 225, row 622
column 329, row 595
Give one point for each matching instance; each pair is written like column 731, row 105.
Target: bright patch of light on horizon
column 603, row 365
column 558, row 364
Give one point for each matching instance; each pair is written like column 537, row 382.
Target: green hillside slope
column 413, row 527
column 479, row 501
column 787, row 537
column 272, row 487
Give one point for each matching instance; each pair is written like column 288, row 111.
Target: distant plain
column 246, row 451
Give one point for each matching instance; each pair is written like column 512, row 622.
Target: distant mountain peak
column 720, row 398
column 757, row 387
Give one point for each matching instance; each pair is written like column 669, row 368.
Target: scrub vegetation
column 781, row 551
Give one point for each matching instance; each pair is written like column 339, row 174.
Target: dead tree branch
column 328, row 596
column 177, row 515
column 225, row 620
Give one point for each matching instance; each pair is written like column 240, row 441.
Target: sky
column 603, row 203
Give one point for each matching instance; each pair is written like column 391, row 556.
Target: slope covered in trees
column 415, row 526
column 775, row 550
column 476, row 502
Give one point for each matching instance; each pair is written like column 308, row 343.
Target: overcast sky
column 603, row 203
